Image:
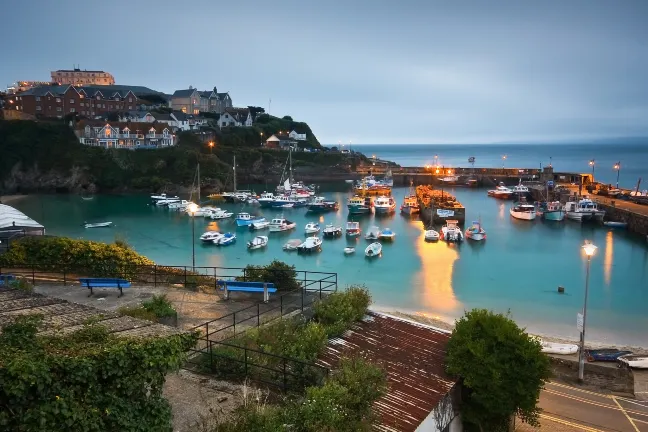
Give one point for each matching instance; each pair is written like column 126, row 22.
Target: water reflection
column 435, row 277
column 609, row 257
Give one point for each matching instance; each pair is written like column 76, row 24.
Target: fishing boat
column 97, row 225
column 282, row 201
column 167, row 202
column 500, row 192
column 551, row 211
column 558, row 348
column 312, row 228
column 451, row 232
column 523, row 211
column 373, row 233
column 384, row 205
column 177, row 204
column 349, row 250
column 210, row 236
column 332, row 231
column 322, row 205
column 520, row 191
column 266, row 199
column 221, row 214
column 281, row 224
column 476, row 232
column 353, row 229
column 160, row 197
column 292, row 244
column 360, row 205
column 257, row 242
column 260, row 225
column 373, row 250
column 226, row 240
column 311, row 244
column 246, row 219
column 431, row 235
column 633, row 361
column 299, row 202
column 387, row 234
column 613, row 224
column 450, row 180
column 410, row 203
column 583, row 211
column 207, row 212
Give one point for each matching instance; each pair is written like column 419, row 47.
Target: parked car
column 605, row 354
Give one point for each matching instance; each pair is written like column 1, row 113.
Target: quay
column 437, row 206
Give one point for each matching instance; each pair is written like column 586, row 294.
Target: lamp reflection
column 435, row 277
column 609, row 257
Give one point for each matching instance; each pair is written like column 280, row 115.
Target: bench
column 91, row 283
column 6, row 279
column 252, row 287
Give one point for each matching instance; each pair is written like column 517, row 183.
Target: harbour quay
column 438, row 206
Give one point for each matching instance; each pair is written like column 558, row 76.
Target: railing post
column 285, row 383
column 207, row 331
column 211, row 357
column 155, row 275
column 33, row 274
column 302, row 298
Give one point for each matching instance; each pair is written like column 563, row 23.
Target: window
column 38, row 108
column 58, row 99
column 81, row 103
column 130, row 107
column 58, row 108
column 49, row 107
column 81, row 96
column 126, row 133
column 72, row 110
column 107, row 132
column 184, row 110
column 37, row 99
column 130, row 100
column 98, row 97
column 166, row 132
column 71, row 101
column 117, row 98
column 196, row 111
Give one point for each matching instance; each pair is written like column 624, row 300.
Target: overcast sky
column 369, row 71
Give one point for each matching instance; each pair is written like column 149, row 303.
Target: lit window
column 184, row 110
column 58, row 99
column 71, row 101
column 196, row 111
column 107, row 133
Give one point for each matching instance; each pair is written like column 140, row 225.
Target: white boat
column 289, row 205
column 349, row 250
column 156, row 198
column 266, row 199
column 387, row 234
column 312, row 228
column 310, row 244
column 353, row 229
column 476, row 232
column 210, row 236
column 384, row 205
column 373, row 233
column 332, row 231
column 167, row 202
column 292, row 244
column 175, row 205
column 501, row 192
column 374, row 249
column 639, row 361
column 523, row 211
column 257, row 242
column 520, row 190
column 451, row 232
column 87, row 198
column 281, row 224
column 450, row 179
column 252, row 201
column 613, row 224
column 97, row 225
column 207, row 212
column 282, row 200
column 226, row 239
column 260, row 225
column 221, row 214
column 431, row 235
column 583, row 210
column 558, row 348
column 348, row 181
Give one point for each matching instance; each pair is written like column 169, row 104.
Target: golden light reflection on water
column 609, row 257
column 502, row 210
column 434, row 281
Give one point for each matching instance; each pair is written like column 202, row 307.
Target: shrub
column 339, row 310
column 277, row 272
column 22, row 284
column 137, row 312
column 151, row 310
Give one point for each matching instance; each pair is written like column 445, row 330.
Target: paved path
column 570, row 409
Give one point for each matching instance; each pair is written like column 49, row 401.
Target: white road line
column 626, row 415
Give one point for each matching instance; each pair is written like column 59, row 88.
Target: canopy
column 12, row 219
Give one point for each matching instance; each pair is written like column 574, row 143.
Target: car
column 605, row 354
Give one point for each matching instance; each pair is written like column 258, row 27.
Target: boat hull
column 556, row 215
column 410, row 210
column 359, row 210
column 475, row 236
column 523, row 215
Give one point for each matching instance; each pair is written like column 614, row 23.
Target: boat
column 221, row 214
column 584, row 210
column 266, row 199
column 226, row 239
column 332, row 231
column 431, row 235
column 281, row 224
column 310, row 244
column 252, row 201
column 633, row 361
column 501, row 192
column 605, row 354
column 523, row 211
column 282, row 200
column 292, row 244
column 167, row 202
column 613, row 224
column 176, row 205
column 373, row 233
column 210, row 236
column 410, row 203
column 312, row 228
column 451, row 232
column 360, row 205
column 348, row 181
column 322, row 205
column 259, row 225
column 387, row 234
column 299, row 202
column 476, row 232
column 156, row 198
column 207, row 212
column 87, row 198
column 257, row 242
column 551, row 211
column 558, row 348
column 520, row 190
column 97, row 225
column 353, row 229
column 373, row 250
column 449, row 180
column 246, row 219
column 349, row 250
column 384, row 205
column 289, row 205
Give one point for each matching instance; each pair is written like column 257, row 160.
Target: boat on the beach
column 97, row 225
column 476, row 232
column 332, row 231
column 584, row 210
column 551, row 211
column 451, row 232
column 221, row 214
column 210, row 236
column 387, row 234
column 384, row 205
column 353, row 229
column 613, row 224
column 605, row 354
column 373, row 250
column 226, row 240
column 312, row 228
column 558, row 348
column 292, row 244
column 257, row 242
column 372, row 233
column 349, row 250
column 281, row 224
column 431, row 235
column 311, row 244
column 360, row 205
column 639, row 361
column 523, row 211
column 260, row 225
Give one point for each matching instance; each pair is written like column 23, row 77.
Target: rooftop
column 79, row 70
column 412, row 355
column 11, row 218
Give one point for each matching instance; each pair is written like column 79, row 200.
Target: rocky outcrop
column 33, row 179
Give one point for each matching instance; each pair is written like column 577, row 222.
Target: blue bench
column 91, row 283
column 6, row 279
column 252, row 287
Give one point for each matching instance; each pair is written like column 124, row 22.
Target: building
column 21, row 86
column 82, row 77
column 177, row 120
column 13, row 221
column 297, row 136
column 124, row 135
column 235, row 117
column 192, row 101
column 272, row 142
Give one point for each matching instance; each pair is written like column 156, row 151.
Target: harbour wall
column 597, row 377
column 637, row 223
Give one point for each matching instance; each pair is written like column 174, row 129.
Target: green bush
column 282, row 275
column 339, row 310
column 151, row 310
column 87, row 380
column 22, row 284
column 137, row 312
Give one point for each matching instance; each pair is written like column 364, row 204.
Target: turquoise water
column 518, row 268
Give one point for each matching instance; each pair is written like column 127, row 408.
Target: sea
column 517, row 270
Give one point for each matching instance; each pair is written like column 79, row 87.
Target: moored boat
column 373, row 250
column 353, row 229
column 222, row 214
column 312, row 228
column 451, row 232
column 226, row 239
column 384, row 205
column 322, row 205
column 266, row 199
column 349, row 250
column 281, row 224
column 523, row 211
column 431, row 235
column 387, row 234
column 210, row 236
column 372, row 233
column 257, row 242
column 332, row 231
column 613, row 224
column 500, row 192
column 410, row 204
column 246, row 219
column 476, row 232
column 360, row 205
column 583, row 211
column 292, row 244
column 552, row 211
column 97, row 225
column 311, row 244
column 260, row 225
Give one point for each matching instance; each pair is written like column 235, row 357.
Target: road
column 570, row 409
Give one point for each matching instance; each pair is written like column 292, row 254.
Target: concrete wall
column 597, row 376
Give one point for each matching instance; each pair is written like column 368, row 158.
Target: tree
column 153, row 99
column 255, row 110
column 112, row 116
column 501, row 368
column 287, row 118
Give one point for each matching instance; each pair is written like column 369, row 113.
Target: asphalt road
column 567, row 408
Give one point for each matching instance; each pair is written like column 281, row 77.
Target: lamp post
column 192, row 210
column 211, row 146
column 589, row 250
column 261, row 138
column 592, row 162
column 617, row 167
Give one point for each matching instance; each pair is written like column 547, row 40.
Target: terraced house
column 193, row 101
column 125, row 135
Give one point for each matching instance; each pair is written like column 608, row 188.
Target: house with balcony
column 131, row 135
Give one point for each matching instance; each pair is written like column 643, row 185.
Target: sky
column 365, row 71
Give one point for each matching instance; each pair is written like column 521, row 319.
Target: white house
column 137, row 116
column 237, row 117
column 297, row 136
column 130, row 135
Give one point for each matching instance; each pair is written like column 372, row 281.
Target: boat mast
column 290, row 173
column 198, row 174
column 234, row 168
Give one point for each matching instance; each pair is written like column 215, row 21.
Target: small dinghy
column 260, row 225
column 373, row 250
column 639, row 361
column 431, row 235
column 387, row 234
column 87, row 198
column 558, row 348
column 292, row 244
column 97, row 225
column 311, row 244
column 476, row 232
column 373, row 233
column 312, row 228
column 613, row 224
column 226, row 240
column 349, row 250
column 257, row 242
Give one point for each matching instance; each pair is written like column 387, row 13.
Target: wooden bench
column 252, row 287
column 6, row 279
column 91, row 283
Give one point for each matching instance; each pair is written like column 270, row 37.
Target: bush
column 151, row 310
column 277, row 272
column 511, row 370
column 22, row 284
column 339, row 310
column 137, row 312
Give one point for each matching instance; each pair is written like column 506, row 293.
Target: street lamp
column 589, row 250
column 617, row 167
column 192, row 211
column 503, row 160
column 211, row 146
column 592, row 162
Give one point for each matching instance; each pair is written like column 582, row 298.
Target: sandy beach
column 8, row 199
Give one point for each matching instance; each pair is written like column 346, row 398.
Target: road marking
column 590, row 402
column 626, row 415
column 567, row 423
column 581, row 390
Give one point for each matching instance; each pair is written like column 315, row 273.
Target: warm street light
column 503, row 160
column 617, row 167
column 192, row 211
column 437, row 170
column 589, row 250
column 592, row 163
column 211, row 146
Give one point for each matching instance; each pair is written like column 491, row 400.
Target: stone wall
column 636, row 223
column 596, row 377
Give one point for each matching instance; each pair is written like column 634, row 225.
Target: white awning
column 12, row 218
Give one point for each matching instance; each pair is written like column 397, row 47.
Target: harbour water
column 517, row 269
